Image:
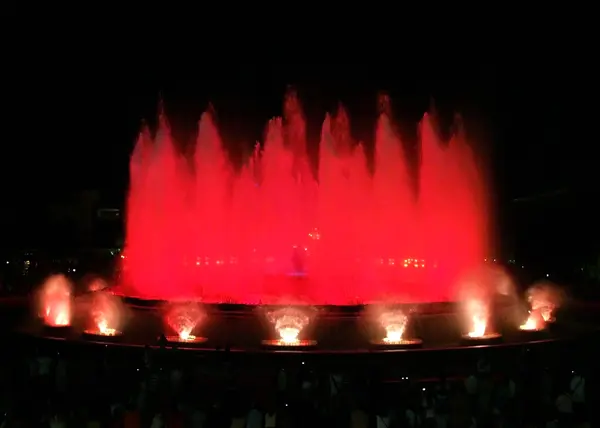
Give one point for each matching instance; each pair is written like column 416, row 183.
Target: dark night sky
column 75, row 103
column 76, row 84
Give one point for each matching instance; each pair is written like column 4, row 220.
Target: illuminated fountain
column 544, row 299
column 184, row 319
column 55, row 302
column 289, row 323
column 535, row 321
column 394, row 323
column 479, row 316
column 275, row 232
column 106, row 315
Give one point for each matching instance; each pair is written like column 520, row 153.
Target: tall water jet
column 451, row 210
column 394, row 236
column 245, row 225
column 210, row 215
column 270, row 232
column 157, row 227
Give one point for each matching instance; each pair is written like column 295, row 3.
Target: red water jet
column 273, row 233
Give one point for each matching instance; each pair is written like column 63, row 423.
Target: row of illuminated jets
column 104, row 313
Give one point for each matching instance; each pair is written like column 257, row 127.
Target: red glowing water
column 274, row 233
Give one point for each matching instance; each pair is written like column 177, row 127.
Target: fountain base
column 284, row 344
column 111, row 335
column 57, row 330
column 481, row 340
column 190, row 340
column 536, row 333
column 397, row 344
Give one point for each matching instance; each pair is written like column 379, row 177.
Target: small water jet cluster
column 289, row 323
column 535, row 322
column 55, row 301
column 478, row 313
column 106, row 315
column 543, row 300
column 183, row 318
column 394, row 322
column 101, row 311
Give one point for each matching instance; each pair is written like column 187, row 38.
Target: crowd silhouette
column 96, row 386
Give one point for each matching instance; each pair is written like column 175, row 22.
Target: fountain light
column 535, row 322
column 288, row 323
column 545, row 311
column 184, row 335
column 106, row 313
column 394, row 323
column 55, row 301
column 183, row 318
column 479, row 314
column 57, row 314
column 102, row 329
column 545, row 298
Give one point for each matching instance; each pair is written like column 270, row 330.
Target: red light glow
column 106, row 314
column 286, row 343
column 102, row 329
column 289, row 323
column 183, row 337
column 478, row 313
column 535, row 322
column 183, row 319
column 544, row 299
column 394, row 323
column 197, row 228
column 55, row 301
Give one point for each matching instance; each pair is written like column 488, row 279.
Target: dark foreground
column 77, row 381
